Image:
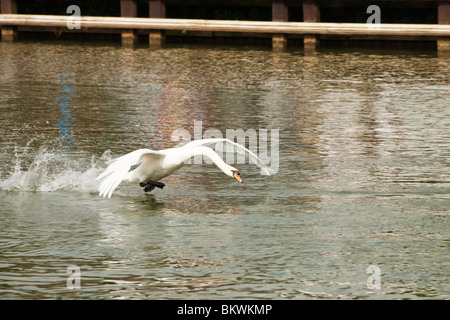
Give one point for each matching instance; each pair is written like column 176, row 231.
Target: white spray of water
column 52, row 171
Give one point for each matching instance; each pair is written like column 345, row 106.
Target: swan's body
column 153, row 166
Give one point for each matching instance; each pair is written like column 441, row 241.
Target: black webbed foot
column 158, row 184
column 150, row 185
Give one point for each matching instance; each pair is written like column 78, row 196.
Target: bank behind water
column 276, row 23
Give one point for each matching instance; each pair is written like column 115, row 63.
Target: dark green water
column 363, row 177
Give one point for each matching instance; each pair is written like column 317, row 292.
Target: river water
column 358, row 208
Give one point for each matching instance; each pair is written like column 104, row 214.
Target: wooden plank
column 444, row 12
column 435, row 30
column 9, row 33
column 443, row 44
column 156, row 38
column 311, row 13
column 279, row 10
column 128, row 9
column 8, row 6
column 157, row 9
column 279, row 13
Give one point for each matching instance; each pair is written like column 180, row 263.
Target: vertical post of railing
column 128, row 8
column 279, row 13
column 311, row 13
column 157, row 9
column 443, row 43
column 9, row 33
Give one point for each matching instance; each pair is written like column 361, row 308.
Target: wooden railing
column 127, row 25
column 434, row 30
column 320, row 28
column 310, row 29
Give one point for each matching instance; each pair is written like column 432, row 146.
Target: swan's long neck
column 211, row 154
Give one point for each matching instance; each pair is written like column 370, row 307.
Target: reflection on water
column 363, row 174
column 66, row 119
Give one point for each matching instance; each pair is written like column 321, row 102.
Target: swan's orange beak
column 237, row 176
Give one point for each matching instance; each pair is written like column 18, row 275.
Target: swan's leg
column 157, row 184
column 147, row 187
column 150, row 185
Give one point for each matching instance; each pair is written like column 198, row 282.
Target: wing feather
column 118, row 169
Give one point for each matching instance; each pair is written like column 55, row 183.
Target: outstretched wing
column 226, row 145
column 118, row 169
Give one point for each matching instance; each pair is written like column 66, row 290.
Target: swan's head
column 235, row 174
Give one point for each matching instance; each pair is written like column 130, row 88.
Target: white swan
column 152, row 165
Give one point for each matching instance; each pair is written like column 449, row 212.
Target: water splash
column 51, row 170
